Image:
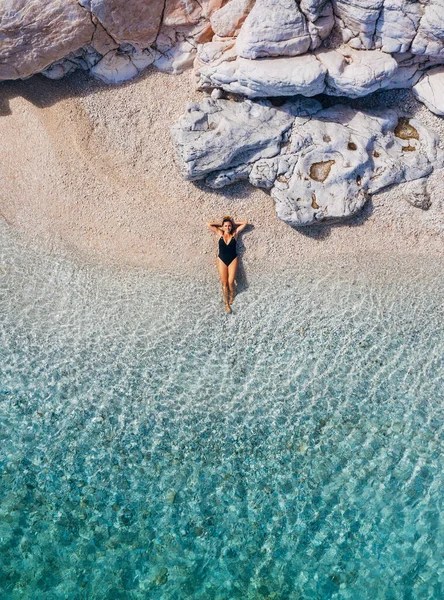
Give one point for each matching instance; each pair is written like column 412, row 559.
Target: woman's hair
column 228, row 218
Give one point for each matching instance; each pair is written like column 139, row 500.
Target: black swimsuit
column 227, row 252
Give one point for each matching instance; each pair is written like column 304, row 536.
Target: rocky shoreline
column 91, row 171
column 263, row 62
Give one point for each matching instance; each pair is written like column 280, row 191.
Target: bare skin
column 227, row 274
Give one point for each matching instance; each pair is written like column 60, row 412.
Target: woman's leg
column 232, row 270
column 223, row 274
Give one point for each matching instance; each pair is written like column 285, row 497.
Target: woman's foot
column 227, row 307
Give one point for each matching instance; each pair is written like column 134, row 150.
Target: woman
column 227, row 256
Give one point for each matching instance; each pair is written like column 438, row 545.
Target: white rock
column 417, row 194
column 116, row 67
column 216, row 94
column 355, row 73
column 332, row 161
column 273, row 28
column 177, row 59
column 83, row 59
column 218, row 134
column 410, row 70
column 359, row 20
column 227, row 21
column 430, row 36
column 320, row 20
column 220, row 179
column 344, row 155
column 217, row 66
column 397, row 25
column 281, row 76
column 430, row 90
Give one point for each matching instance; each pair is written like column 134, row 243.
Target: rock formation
column 315, row 163
column 430, row 90
column 257, row 48
column 319, row 164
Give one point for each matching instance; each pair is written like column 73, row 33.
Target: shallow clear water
column 153, row 447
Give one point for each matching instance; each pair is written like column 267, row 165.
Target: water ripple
column 152, row 447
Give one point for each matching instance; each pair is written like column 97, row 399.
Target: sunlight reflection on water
column 152, row 447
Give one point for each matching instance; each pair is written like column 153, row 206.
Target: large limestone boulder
column 281, row 28
column 340, row 72
column 273, row 28
column 340, row 156
column 319, row 164
column 36, row 33
column 135, row 22
column 357, row 21
column 217, row 65
column 430, row 90
column 219, row 134
column 355, row 73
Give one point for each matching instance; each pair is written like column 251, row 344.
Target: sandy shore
column 89, row 170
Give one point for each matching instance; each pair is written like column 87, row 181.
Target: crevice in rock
column 160, row 22
column 95, row 21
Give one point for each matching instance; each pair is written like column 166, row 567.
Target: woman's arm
column 215, row 228
column 240, row 226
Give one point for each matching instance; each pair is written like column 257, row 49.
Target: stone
column 429, row 38
column 178, row 58
column 102, row 42
column 84, row 59
column 218, row 134
column 410, row 70
column 355, row 73
column 117, row 66
column 430, row 90
column 255, row 48
column 162, row 576
column 341, row 72
column 416, row 194
column 227, row 21
column 357, row 21
column 319, row 164
column 320, row 20
column 170, row 497
column 340, row 156
column 36, row 33
column 136, row 22
column 397, row 25
column 264, row 77
column 273, row 28
column 282, row 76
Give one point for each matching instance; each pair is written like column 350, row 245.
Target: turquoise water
column 153, row 447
